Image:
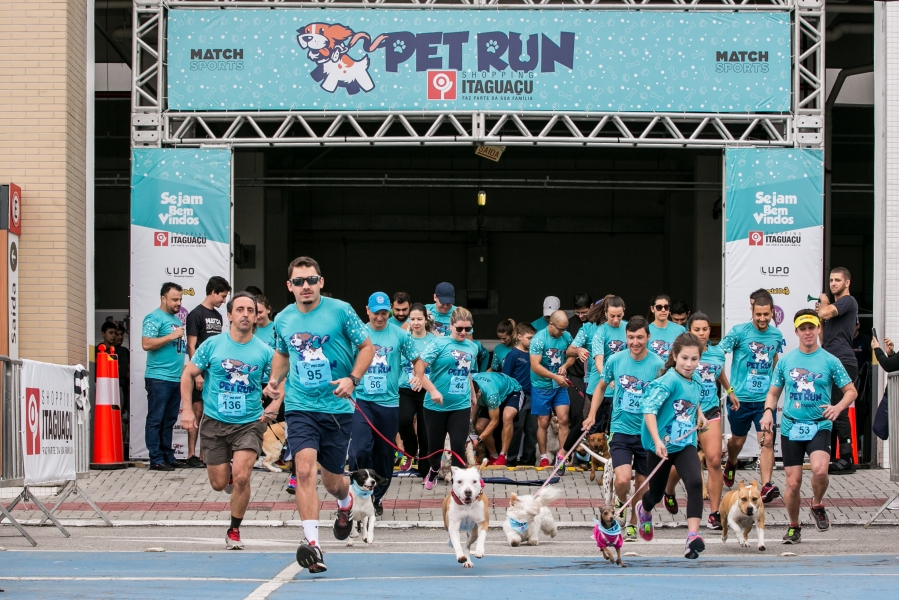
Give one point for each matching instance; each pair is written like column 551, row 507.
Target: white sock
column 494, row 456
column 542, row 456
column 345, row 502
column 310, row 530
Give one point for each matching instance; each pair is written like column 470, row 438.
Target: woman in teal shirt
column 505, row 333
column 448, row 399
column 671, row 416
column 662, row 331
column 412, row 402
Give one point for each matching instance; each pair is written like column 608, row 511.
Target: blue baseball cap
column 445, row 293
column 378, row 301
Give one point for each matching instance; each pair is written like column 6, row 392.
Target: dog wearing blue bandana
column 529, row 516
column 362, row 485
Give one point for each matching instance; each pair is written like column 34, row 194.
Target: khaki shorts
column 220, row 440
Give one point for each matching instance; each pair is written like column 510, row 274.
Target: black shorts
column 713, row 413
column 328, row 434
column 196, row 395
column 627, row 449
column 794, row 453
column 514, row 400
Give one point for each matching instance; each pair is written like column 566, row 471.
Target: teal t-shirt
column 381, row 382
column 483, row 359
column 674, row 400
column 660, row 340
column 754, row 353
column 584, row 339
column 451, row 364
column 495, row 387
column 607, row 341
column 441, row 320
column 631, row 378
column 392, row 320
column 807, row 379
column 266, row 333
column 551, row 351
column 420, row 344
column 322, row 346
column 499, row 353
column 539, row 324
column 167, row 362
column 235, row 375
column 711, row 363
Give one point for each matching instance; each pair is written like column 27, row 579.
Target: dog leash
column 269, row 425
column 394, row 446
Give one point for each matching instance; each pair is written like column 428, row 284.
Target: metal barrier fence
column 12, row 470
column 893, row 404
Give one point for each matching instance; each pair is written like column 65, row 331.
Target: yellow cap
column 806, row 319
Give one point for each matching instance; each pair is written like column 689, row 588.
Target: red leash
column 394, row 446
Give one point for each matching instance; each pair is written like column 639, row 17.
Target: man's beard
column 400, row 319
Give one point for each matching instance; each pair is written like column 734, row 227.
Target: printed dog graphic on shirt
column 463, row 359
column 660, row 347
column 238, row 372
column 554, row 357
column 328, row 46
column 682, row 415
column 309, row 345
column 631, row 384
column 441, row 329
column 616, row 346
column 380, row 358
column 759, row 352
column 707, row 372
column 804, row 380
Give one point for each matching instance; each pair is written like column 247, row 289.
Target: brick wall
column 42, row 148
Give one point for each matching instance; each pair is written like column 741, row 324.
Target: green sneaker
column 630, row 533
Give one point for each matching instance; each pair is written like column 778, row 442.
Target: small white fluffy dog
column 467, row 508
column 528, row 516
column 362, row 484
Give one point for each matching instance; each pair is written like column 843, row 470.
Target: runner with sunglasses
column 549, row 366
column 323, row 349
column 662, row 331
column 609, row 338
column 449, row 394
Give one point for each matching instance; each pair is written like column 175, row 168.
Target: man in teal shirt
column 442, row 309
column 378, row 398
column 162, row 338
column 236, row 367
column 549, row 383
column 550, row 305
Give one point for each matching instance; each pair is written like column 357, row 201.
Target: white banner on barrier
column 48, row 422
column 180, row 232
column 774, row 207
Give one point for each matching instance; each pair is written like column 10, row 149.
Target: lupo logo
column 32, row 421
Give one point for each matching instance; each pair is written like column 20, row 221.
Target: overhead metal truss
column 154, row 126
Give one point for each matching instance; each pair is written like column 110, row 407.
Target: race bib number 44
column 458, row 385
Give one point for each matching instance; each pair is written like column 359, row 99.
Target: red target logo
column 32, row 421
column 161, row 238
column 441, row 85
column 756, row 238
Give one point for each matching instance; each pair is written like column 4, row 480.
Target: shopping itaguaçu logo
column 506, row 61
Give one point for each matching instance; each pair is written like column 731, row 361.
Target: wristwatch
column 355, row 381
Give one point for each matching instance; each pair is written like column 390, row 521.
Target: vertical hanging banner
column 774, row 235
column 48, row 422
column 180, row 232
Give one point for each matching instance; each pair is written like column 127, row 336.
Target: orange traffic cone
column 854, row 434
column 107, row 412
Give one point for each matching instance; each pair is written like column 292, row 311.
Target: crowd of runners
column 413, row 376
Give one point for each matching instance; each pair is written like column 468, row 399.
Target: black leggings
column 686, row 462
column 452, row 422
column 411, row 406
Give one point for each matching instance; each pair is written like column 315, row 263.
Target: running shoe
column 621, row 514
column 644, row 523
column 822, row 522
column 500, row 461
column 232, row 540
column 630, row 533
column 162, row 467
column 405, row 463
column 292, row 485
column 670, row 503
column 309, row 556
column 841, row 467
column 560, row 462
column 343, row 524
column 230, row 487
column 430, row 479
column 544, row 462
column 379, row 508
column 730, row 472
column 714, row 522
column 693, row 546
column 491, row 461
column 770, row 492
column 397, row 459
column 793, row 535
column 194, row 462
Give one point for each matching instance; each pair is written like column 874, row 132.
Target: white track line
column 269, row 587
column 64, row 578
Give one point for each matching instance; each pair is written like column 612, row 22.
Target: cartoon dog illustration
column 804, row 380
column 555, row 358
column 708, row 373
column 381, row 355
column 463, row 359
column 238, row 372
column 309, row 346
column 631, row 384
column 616, row 346
column 328, row 46
column 759, row 352
column 682, row 411
column 659, row 347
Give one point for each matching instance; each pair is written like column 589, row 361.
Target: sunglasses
column 298, row 281
column 661, row 307
column 464, row 329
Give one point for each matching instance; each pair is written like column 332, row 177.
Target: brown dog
column 598, row 443
column 740, row 509
column 606, row 540
column 272, row 442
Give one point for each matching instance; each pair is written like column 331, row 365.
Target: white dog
column 362, row 484
column 467, row 508
column 528, row 516
column 740, row 510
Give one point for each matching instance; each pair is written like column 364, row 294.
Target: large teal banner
column 540, row 60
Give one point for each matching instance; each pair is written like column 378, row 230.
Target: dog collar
column 611, row 531
column 519, row 526
column 459, row 500
column 359, row 492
